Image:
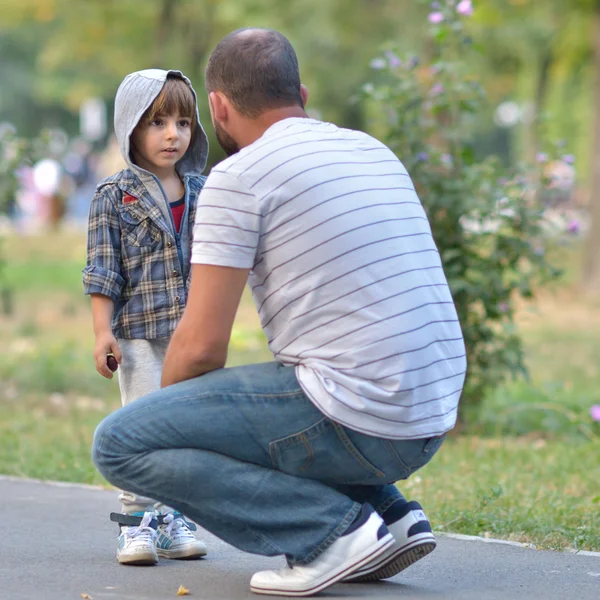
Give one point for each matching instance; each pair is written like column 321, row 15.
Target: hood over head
column 135, row 95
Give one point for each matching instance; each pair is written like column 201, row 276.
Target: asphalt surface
column 58, row 544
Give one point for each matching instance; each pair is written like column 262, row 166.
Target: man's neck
column 256, row 127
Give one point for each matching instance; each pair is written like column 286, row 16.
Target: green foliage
column 13, row 152
column 486, row 219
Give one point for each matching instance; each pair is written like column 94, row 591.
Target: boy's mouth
column 170, row 150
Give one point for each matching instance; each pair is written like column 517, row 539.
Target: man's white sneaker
column 176, row 540
column 135, row 545
column 413, row 540
column 347, row 554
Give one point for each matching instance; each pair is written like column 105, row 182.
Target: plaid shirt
column 135, row 257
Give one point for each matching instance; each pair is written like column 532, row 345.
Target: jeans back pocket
column 323, row 452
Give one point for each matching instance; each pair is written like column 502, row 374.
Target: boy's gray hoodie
column 135, row 95
column 135, row 256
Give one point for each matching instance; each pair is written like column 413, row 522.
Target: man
column 298, row 457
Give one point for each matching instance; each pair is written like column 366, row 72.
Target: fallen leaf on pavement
column 183, row 591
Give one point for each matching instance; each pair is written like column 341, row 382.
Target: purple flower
column 574, row 226
column 435, row 5
column 568, row 158
column 422, row 157
column 436, row 17
column 377, row 64
column 437, row 89
column 595, row 412
column 502, row 181
column 539, row 251
column 541, row 157
column 465, row 8
column 503, row 307
column 393, row 60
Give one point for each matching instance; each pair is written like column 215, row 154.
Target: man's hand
column 106, row 343
column 200, row 342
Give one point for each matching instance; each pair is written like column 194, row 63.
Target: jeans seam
column 389, row 502
column 192, row 397
column 337, row 532
column 395, row 456
column 354, row 452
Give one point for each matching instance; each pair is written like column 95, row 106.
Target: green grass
column 528, row 471
column 522, row 489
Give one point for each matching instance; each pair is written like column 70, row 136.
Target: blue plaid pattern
column 135, row 257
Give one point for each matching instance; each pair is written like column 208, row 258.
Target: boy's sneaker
column 176, row 540
column 413, row 540
column 136, row 540
column 366, row 539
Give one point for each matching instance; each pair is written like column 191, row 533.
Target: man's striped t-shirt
column 345, row 274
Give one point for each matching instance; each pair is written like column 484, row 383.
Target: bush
column 486, row 218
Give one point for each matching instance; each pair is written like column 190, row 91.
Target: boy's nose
column 172, row 131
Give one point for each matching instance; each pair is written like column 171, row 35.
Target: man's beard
column 226, row 142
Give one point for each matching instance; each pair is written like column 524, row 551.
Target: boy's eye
column 156, row 122
column 184, row 123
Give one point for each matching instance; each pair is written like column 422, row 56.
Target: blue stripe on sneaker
column 382, row 531
column 398, row 510
column 420, row 527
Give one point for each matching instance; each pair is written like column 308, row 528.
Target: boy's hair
column 175, row 97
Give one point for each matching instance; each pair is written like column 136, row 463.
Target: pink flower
column 503, row 307
column 436, row 17
column 541, row 157
column 465, row 8
column 568, row 158
column 595, row 412
column 437, row 89
column 446, row 160
column 393, row 60
column 574, row 226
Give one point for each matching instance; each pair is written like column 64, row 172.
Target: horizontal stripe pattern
column 344, row 272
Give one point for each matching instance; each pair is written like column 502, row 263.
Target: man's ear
column 218, row 106
column 304, row 94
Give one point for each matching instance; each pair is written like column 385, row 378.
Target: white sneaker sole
column 328, row 579
column 401, row 558
column 191, row 552
column 137, row 558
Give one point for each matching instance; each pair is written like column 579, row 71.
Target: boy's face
column 157, row 144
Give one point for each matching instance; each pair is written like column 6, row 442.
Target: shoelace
column 176, row 527
column 143, row 531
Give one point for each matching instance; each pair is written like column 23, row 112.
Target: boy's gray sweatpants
column 139, row 374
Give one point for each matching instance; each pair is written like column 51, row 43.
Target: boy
column 138, row 267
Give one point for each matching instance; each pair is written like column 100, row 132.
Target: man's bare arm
column 200, row 342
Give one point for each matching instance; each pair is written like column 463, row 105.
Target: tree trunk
column 592, row 263
column 164, row 28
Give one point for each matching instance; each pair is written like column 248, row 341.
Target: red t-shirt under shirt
column 177, row 210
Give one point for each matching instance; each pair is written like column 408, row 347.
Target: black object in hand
column 111, row 363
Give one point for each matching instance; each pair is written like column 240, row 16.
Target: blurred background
column 493, row 106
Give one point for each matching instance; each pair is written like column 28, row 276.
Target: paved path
column 59, row 545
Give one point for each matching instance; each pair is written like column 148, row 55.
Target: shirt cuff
column 97, row 280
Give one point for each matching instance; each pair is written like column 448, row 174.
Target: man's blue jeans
column 245, row 454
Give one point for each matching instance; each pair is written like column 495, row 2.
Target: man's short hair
column 257, row 69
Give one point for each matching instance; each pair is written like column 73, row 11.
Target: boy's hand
column 106, row 343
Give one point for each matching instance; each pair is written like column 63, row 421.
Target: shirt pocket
column 137, row 229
